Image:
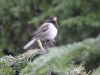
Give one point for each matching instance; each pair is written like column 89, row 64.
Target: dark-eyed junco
column 47, row 32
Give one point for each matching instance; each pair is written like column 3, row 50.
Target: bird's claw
column 42, row 51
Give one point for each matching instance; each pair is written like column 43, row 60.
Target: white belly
column 51, row 33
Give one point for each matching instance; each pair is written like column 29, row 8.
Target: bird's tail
column 29, row 43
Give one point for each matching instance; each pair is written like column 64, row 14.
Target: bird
column 47, row 32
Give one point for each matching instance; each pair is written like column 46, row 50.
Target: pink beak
column 55, row 18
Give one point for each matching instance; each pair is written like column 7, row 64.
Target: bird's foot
column 42, row 51
column 48, row 44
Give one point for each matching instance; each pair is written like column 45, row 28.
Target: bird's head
column 51, row 19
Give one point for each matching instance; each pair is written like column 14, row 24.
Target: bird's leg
column 51, row 43
column 48, row 44
column 40, row 45
column 45, row 44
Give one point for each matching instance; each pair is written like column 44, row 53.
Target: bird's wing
column 41, row 30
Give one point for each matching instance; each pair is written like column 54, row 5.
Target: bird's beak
column 55, row 18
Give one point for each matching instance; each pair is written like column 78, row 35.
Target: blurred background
column 19, row 19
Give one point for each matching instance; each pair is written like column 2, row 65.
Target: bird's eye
column 50, row 17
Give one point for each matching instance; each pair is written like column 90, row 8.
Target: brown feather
column 40, row 31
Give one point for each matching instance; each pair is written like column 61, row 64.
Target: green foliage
column 96, row 72
column 20, row 18
column 10, row 65
column 63, row 60
column 59, row 59
column 5, row 69
column 77, row 20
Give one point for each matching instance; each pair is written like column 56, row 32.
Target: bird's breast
column 50, row 33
